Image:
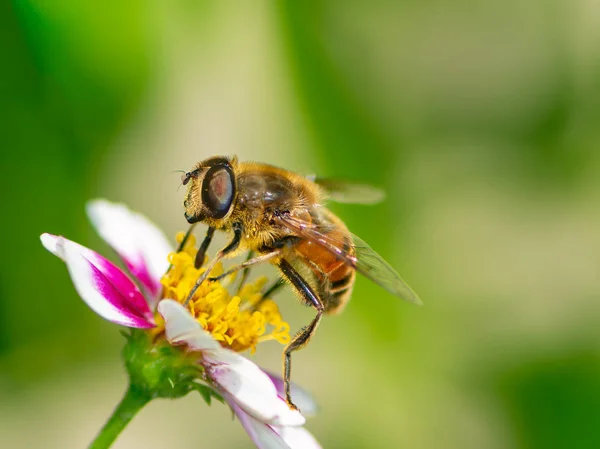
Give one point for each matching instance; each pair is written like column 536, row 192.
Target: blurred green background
column 480, row 119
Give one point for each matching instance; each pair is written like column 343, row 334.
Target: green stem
column 132, row 402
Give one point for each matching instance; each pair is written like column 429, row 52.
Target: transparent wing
column 366, row 261
column 373, row 266
column 342, row 191
column 309, row 231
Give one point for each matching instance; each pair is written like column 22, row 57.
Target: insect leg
column 203, row 247
column 306, row 333
column 269, row 292
column 183, row 242
column 186, row 237
column 245, row 272
column 256, row 260
column 273, row 288
column 231, row 246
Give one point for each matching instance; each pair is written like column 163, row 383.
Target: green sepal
column 208, row 393
column 161, row 370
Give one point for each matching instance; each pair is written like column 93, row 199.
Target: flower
column 197, row 345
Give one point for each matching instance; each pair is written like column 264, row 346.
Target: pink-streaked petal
column 102, row 285
column 297, row 437
column 50, row 243
column 261, row 434
column 302, row 398
column 142, row 246
column 182, row 328
column 249, row 387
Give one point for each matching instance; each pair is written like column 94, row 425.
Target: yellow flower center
column 238, row 322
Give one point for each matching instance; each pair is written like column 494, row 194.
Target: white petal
column 245, row 382
column 297, row 437
column 142, row 246
column 50, row 243
column 261, row 434
column 181, row 327
column 250, row 388
column 302, row 398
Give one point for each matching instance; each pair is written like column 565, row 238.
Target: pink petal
column 302, row 398
column 102, row 285
column 140, row 244
column 182, row 328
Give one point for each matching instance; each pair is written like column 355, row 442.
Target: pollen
column 238, row 319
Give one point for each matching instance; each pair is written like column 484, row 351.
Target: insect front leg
column 186, row 237
column 231, row 247
column 183, row 241
column 306, row 333
column 203, row 247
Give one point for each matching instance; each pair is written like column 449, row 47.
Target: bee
column 279, row 217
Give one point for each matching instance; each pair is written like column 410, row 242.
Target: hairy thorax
column 263, row 193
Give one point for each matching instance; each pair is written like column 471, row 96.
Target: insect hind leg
column 298, row 342
column 305, row 334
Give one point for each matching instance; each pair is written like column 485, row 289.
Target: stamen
column 238, row 322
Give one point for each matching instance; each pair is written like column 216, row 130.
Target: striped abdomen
column 334, row 276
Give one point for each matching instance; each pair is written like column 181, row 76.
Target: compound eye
column 217, row 190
